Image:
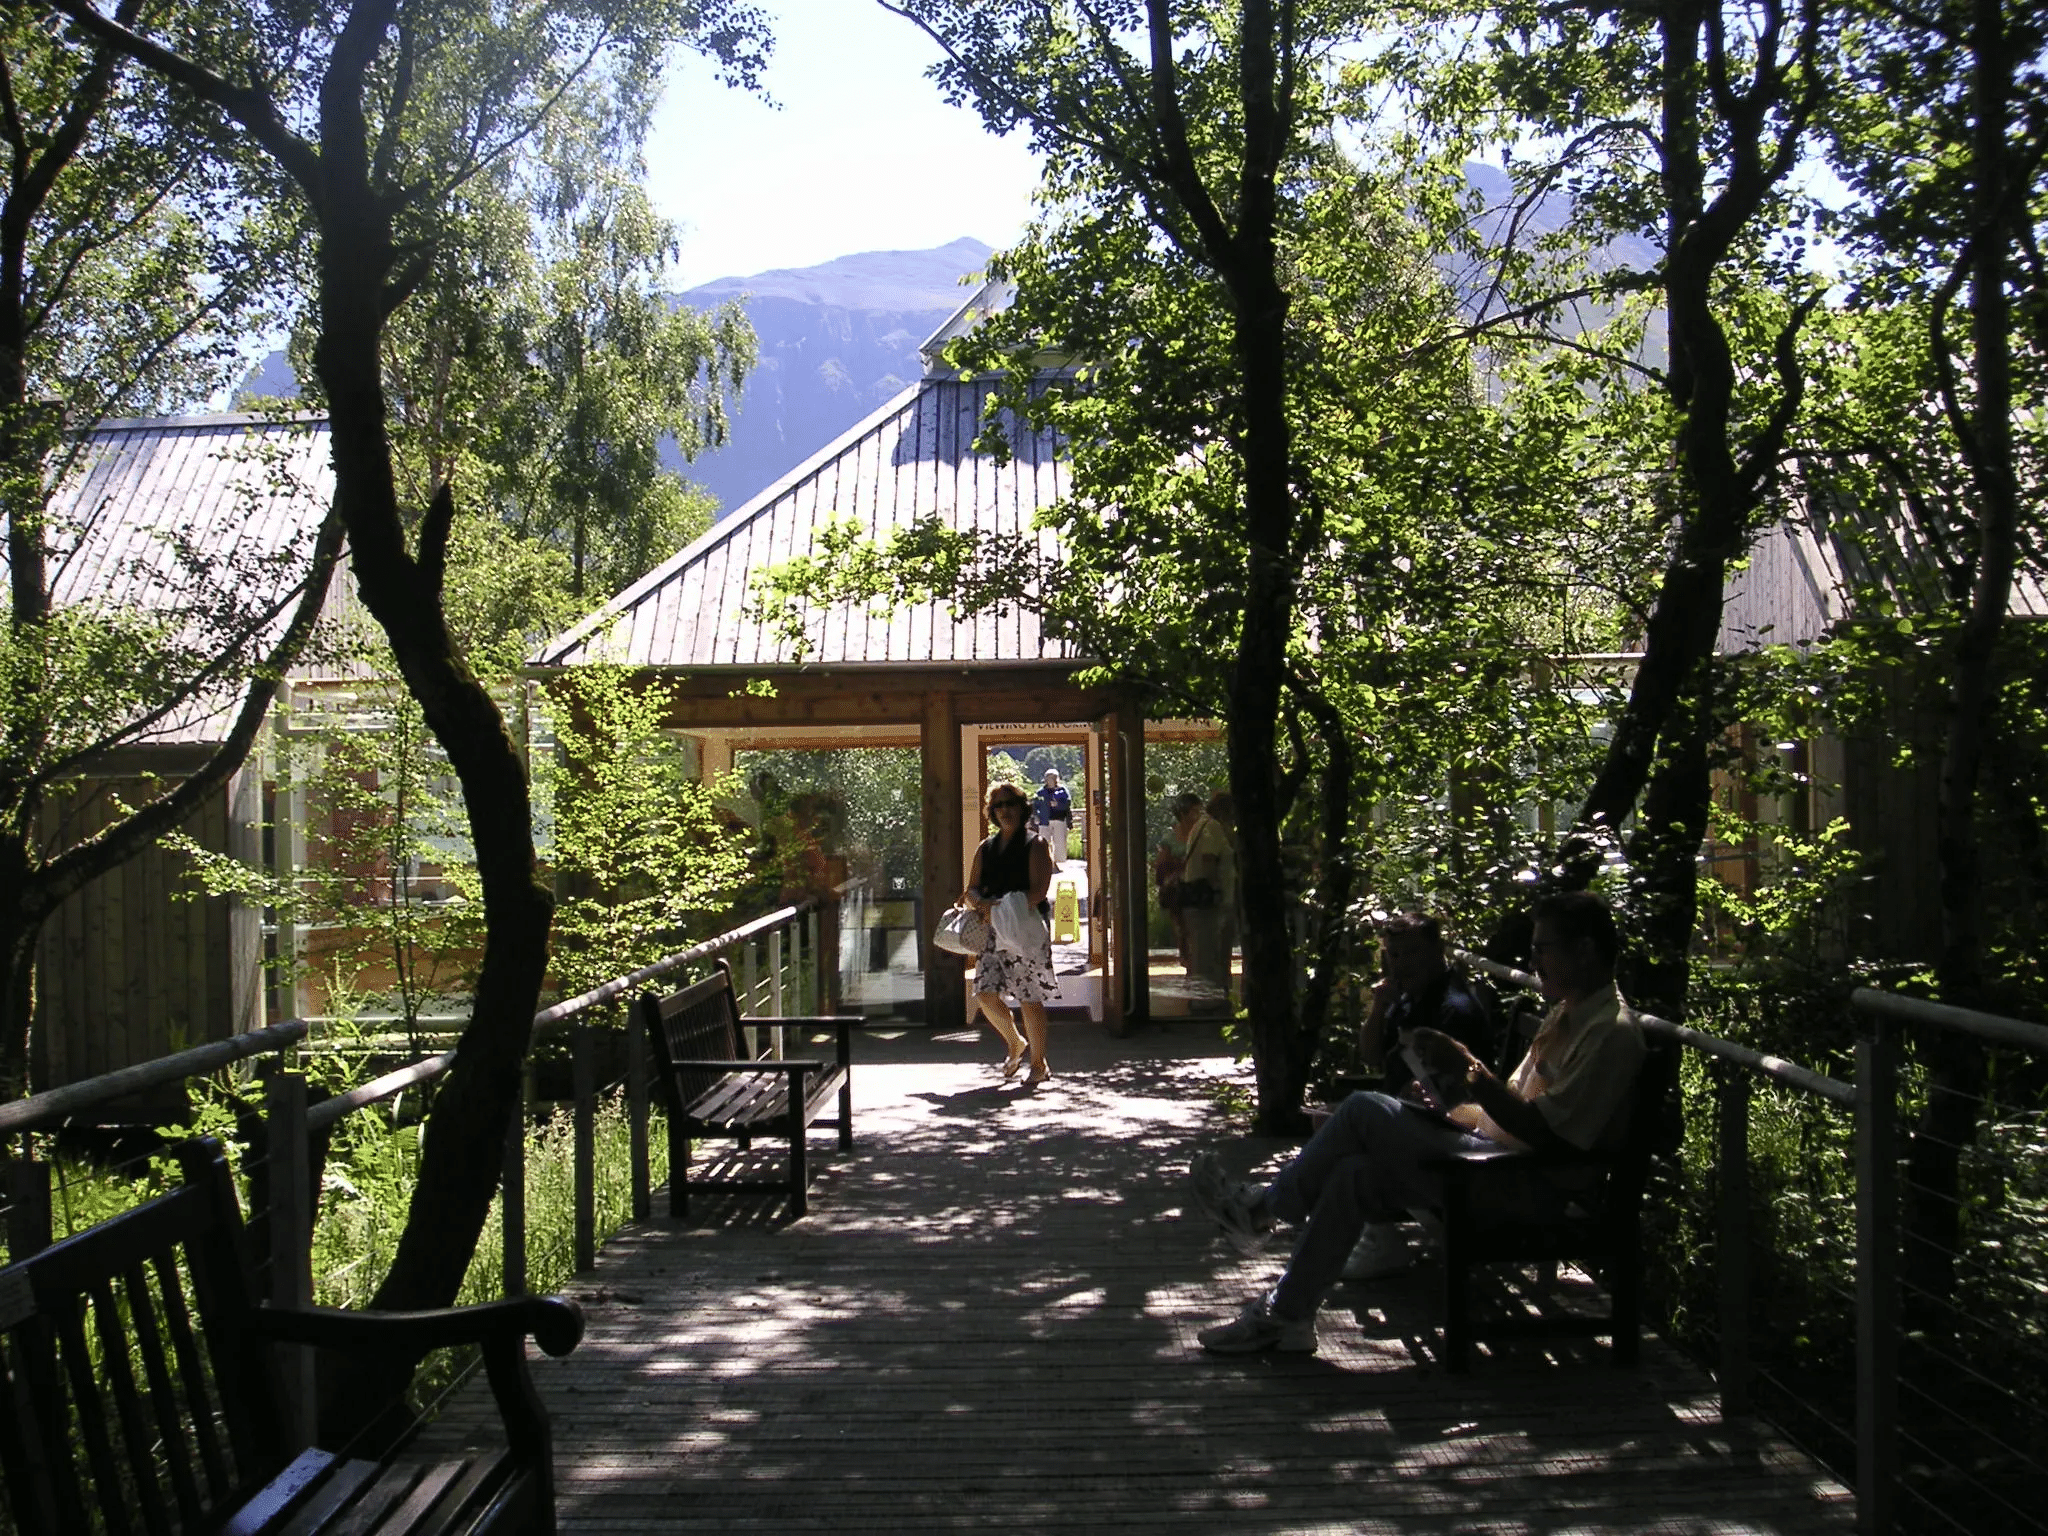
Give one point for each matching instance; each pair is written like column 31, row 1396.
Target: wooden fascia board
column 896, row 696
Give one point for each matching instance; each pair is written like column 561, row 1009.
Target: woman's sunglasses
column 1006, row 805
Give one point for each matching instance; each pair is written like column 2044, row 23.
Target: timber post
column 512, row 1196
column 28, row 1204
column 945, row 979
column 1731, row 1102
column 584, row 1076
column 1128, row 1002
column 636, row 1113
column 1877, row 1297
column 290, row 1223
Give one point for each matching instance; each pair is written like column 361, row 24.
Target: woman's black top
column 1004, row 870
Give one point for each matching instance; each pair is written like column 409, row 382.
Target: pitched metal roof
column 1801, row 578
column 147, row 510
column 912, row 458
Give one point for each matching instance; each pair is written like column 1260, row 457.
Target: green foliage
column 637, row 848
column 544, row 365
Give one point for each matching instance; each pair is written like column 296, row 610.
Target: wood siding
column 128, row 969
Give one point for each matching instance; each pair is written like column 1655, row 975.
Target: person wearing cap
column 1053, row 811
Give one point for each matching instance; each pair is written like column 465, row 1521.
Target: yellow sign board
column 1066, row 914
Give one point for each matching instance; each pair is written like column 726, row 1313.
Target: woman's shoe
column 1038, row 1075
column 1012, row 1062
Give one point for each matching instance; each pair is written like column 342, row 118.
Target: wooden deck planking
column 988, row 1320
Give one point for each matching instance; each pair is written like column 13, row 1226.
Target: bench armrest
column 500, row 1328
column 758, row 1064
column 842, row 1026
column 553, row 1322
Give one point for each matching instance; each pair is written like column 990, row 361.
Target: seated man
column 1369, row 1161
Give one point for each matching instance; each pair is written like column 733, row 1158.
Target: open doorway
column 1050, row 764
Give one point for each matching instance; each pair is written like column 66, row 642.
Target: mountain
column 836, row 341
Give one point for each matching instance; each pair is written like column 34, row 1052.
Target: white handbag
column 962, row 931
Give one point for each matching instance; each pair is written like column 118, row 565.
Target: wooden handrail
column 327, row 1111
column 53, row 1106
column 606, row 991
column 1918, row 1010
column 1759, row 1062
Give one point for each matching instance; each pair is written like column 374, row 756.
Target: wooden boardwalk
column 988, row 1322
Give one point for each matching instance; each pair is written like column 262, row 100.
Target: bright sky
column 863, row 153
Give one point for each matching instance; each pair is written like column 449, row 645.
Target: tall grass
column 368, row 1187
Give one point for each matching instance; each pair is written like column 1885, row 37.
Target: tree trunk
column 1252, row 729
column 465, row 1132
column 1333, row 889
column 1661, row 739
column 1956, row 1063
column 1664, row 859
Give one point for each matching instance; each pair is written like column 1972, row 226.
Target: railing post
column 291, row 1239
column 1731, row 1102
column 512, row 1196
column 1877, row 1252
column 28, row 1204
column 585, row 1080
column 775, row 967
column 747, row 1002
column 831, row 913
column 636, row 1113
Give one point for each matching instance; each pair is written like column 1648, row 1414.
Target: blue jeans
column 1367, row 1164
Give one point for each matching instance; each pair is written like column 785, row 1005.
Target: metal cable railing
column 284, row 1138
column 1863, row 1260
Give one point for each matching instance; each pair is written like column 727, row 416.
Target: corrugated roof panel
column 911, row 457
column 236, row 490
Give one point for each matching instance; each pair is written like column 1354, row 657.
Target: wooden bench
column 1603, row 1232
column 139, row 1390
column 715, row 1088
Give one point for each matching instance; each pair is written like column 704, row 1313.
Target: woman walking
column 1014, row 858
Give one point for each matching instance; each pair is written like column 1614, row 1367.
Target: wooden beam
column 1127, row 1001
column 945, row 979
column 713, row 700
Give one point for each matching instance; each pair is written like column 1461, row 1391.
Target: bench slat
column 163, row 1400
column 185, row 1347
column 135, row 1438
column 344, row 1480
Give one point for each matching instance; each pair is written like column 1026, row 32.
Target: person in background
column 1014, row 858
column 1053, row 810
column 1167, row 862
column 1417, row 987
column 1208, row 893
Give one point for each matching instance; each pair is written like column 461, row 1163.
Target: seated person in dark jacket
column 1418, row 987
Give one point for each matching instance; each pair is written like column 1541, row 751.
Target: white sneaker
column 1256, row 1328
column 1381, row 1251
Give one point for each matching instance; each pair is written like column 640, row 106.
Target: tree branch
column 247, row 105
column 116, row 844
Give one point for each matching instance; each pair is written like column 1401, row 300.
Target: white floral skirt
column 1024, row 978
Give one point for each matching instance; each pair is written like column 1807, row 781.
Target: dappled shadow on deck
column 987, row 1321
